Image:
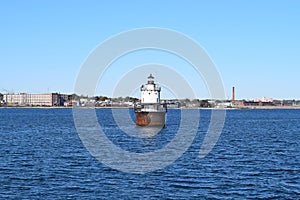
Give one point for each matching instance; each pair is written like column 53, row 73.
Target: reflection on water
column 144, row 132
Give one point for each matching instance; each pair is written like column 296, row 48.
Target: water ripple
column 257, row 157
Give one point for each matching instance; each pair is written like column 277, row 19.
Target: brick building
column 24, row 99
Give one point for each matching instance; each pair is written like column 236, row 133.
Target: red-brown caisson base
column 150, row 118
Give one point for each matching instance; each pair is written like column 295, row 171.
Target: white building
column 150, row 99
column 150, row 92
column 263, row 100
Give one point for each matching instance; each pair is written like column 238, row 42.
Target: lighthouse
column 151, row 112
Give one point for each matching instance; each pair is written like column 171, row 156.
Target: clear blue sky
column 254, row 44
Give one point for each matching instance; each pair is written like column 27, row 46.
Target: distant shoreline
column 116, row 107
column 265, row 107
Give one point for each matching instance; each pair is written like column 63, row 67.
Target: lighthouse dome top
column 150, row 79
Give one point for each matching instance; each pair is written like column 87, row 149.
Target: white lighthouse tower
column 152, row 112
column 150, row 92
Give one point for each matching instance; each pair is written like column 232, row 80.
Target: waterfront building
column 25, row 99
column 263, row 100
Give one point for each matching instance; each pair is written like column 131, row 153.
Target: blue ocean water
column 256, row 157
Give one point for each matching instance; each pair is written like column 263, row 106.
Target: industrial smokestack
column 233, row 95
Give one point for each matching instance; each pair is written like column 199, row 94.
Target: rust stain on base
column 150, row 118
